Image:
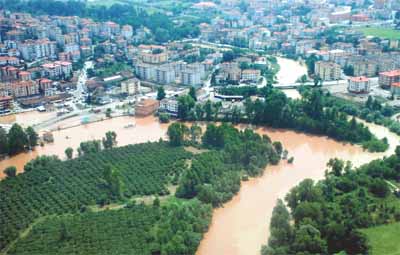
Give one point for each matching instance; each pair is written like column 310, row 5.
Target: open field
column 386, row 33
column 384, row 239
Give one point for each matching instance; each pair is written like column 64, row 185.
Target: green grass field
column 386, row 33
column 384, row 239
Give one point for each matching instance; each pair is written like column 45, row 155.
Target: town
column 68, row 63
column 125, row 125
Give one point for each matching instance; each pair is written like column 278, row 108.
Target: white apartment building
column 359, row 84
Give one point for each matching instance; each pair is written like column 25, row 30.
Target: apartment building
column 164, row 74
column 24, row 88
column 252, row 75
column 5, row 103
column 131, row 86
column 57, row 69
column 169, row 105
column 359, row 84
column 327, row 71
column 386, row 79
column 38, row 49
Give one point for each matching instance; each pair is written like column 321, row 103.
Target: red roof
column 5, row 98
column 396, row 84
column 359, row 79
column 392, row 73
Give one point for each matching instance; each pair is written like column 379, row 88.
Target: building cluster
column 37, row 53
column 165, row 64
column 306, row 29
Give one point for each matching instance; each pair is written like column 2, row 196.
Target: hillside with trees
column 330, row 216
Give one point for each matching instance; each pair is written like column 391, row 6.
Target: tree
column 348, row 70
column 108, row 113
column 17, row 139
column 110, row 140
column 69, row 152
column 192, row 93
column 64, row 234
column 163, row 117
column 3, row 141
column 228, row 56
column 176, row 133
column 195, row 132
column 185, row 104
column 278, row 147
column 160, row 93
column 10, row 171
column 308, row 241
column 336, row 166
column 281, row 230
column 32, row 137
column 113, row 182
column 89, row 147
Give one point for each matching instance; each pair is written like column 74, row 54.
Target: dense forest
column 327, row 217
column 314, row 113
column 161, row 25
column 92, row 204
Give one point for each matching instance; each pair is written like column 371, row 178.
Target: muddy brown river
column 241, row 226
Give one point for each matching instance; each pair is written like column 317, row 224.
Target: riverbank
column 241, row 226
column 145, row 129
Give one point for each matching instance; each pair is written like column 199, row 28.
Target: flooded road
column 241, row 226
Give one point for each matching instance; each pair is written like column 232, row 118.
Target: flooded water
column 146, row 129
column 290, row 70
column 241, row 226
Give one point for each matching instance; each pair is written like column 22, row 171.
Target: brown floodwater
column 241, row 226
column 145, row 129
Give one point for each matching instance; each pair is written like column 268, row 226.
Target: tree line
column 17, row 139
column 326, row 217
column 313, row 113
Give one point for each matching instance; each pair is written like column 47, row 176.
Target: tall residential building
column 131, row 86
column 386, row 79
column 37, row 49
column 327, row 71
